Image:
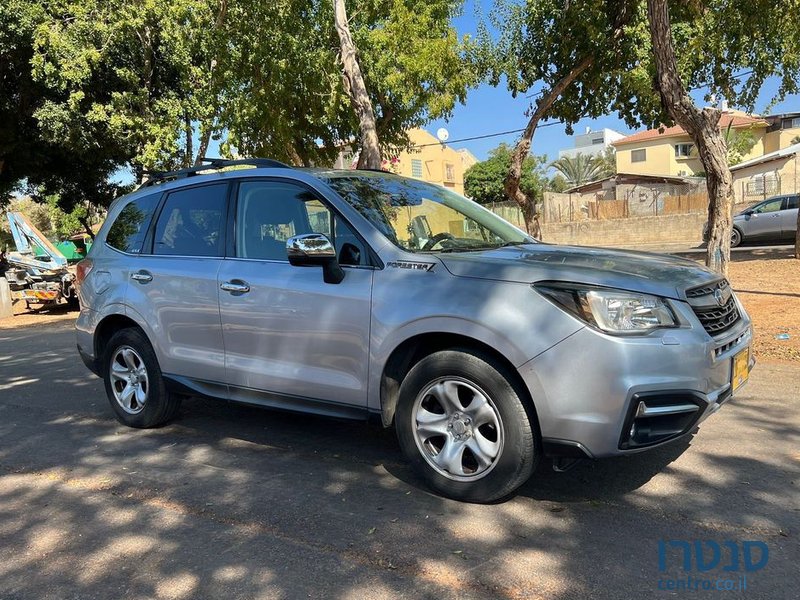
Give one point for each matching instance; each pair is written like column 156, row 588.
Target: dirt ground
column 36, row 315
column 768, row 287
column 770, row 291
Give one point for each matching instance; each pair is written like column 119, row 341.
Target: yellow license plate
column 741, row 368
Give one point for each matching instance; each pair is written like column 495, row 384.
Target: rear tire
column 134, row 385
column 464, row 428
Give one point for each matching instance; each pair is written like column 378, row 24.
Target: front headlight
column 612, row 311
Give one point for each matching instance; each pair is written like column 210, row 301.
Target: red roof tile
column 651, row 134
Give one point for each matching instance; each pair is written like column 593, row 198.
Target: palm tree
column 580, row 169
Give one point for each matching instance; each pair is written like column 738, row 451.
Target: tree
column 370, row 151
column 557, row 183
column 483, row 181
column 581, row 168
column 554, row 44
column 588, row 58
column 795, row 140
column 290, row 101
column 738, row 143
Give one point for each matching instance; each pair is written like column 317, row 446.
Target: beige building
column 426, row 158
column 430, row 160
column 670, row 151
column 769, row 175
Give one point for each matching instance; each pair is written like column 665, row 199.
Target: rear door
column 789, row 217
column 290, row 338
column 173, row 286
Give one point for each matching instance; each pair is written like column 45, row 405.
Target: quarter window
column 191, row 222
column 639, row 155
column 129, row 228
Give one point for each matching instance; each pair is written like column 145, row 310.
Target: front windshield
column 423, row 217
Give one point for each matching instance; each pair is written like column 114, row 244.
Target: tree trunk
column 87, row 227
column 202, row 148
column 703, row 127
column 523, row 148
column 370, row 152
column 189, row 133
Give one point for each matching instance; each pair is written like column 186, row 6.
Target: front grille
column 714, row 318
column 707, row 290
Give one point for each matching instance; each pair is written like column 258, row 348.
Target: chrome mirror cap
column 310, row 246
column 315, row 249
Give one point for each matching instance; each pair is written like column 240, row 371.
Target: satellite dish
column 442, row 134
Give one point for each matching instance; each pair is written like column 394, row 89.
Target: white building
column 591, row 142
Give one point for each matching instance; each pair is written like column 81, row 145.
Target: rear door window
column 792, row 202
column 192, row 222
column 130, row 227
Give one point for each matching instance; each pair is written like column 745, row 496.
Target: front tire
column 134, row 385
column 736, row 237
column 462, row 425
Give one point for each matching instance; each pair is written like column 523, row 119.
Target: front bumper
column 598, row 395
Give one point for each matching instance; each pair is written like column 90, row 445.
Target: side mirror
column 315, row 250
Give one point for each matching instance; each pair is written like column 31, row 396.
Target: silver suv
column 358, row 293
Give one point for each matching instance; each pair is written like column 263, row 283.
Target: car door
column 173, row 285
column 765, row 220
column 290, row 338
column 789, row 217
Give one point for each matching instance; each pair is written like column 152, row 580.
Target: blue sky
column 490, row 110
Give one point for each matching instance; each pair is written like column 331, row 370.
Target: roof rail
column 212, row 164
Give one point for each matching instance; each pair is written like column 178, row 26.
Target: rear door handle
column 142, row 277
column 235, row 286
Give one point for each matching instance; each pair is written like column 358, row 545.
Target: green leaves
column 583, row 168
column 483, row 181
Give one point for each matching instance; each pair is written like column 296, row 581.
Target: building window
column 683, row 150
column 597, row 140
column 639, row 155
column 449, row 172
column 795, row 124
column 416, row 168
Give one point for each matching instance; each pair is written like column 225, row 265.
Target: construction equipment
column 37, row 273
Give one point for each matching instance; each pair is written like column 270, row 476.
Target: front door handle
column 235, row 286
column 142, row 277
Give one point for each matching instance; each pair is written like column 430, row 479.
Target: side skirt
column 262, row 398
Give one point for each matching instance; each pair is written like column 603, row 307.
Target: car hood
column 645, row 272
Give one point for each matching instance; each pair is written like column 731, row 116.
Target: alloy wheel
column 129, row 380
column 457, row 429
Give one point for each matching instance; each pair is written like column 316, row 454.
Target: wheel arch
column 413, row 349
column 108, row 326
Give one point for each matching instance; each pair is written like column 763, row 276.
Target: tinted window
column 128, row 231
column 793, row 202
column 192, row 222
column 268, row 213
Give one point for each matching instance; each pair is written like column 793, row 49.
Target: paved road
column 239, row 503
